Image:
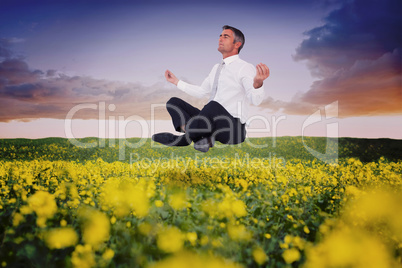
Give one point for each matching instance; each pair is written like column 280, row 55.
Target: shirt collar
column 231, row 59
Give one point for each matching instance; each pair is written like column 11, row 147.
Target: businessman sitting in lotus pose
column 231, row 86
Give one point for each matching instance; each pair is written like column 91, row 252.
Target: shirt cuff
column 259, row 90
column 257, row 95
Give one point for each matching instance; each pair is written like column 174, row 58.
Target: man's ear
column 237, row 45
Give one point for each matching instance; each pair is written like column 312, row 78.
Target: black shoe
column 204, row 144
column 170, row 140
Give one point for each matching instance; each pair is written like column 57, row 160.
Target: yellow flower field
column 220, row 211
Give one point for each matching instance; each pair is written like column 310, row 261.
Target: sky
column 96, row 68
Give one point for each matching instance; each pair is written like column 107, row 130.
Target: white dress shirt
column 235, row 87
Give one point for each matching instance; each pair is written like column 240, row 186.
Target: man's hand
column 170, row 77
column 261, row 75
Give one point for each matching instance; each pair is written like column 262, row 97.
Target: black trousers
column 211, row 121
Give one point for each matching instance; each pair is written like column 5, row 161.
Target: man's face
column 226, row 44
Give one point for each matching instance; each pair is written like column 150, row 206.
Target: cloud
column 5, row 51
column 356, row 55
column 360, row 29
column 5, row 44
column 27, row 94
column 369, row 87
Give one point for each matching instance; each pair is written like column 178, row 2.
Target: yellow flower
column 95, row 226
column 83, row 257
column 123, row 196
column 377, row 208
column 353, row 192
column 18, row 218
column 44, row 205
column 228, row 207
column 288, row 239
column 158, row 203
column 170, row 239
column 61, row 238
column 239, row 233
column 298, row 242
column 360, row 237
column 192, row 237
column 259, row 255
column 137, row 199
column 291, row 255
column 239, row 208
column 178, row 201
column 204, row 240
column 216, row 243
column 188, row 259
column 348, row 247
column 108, row 254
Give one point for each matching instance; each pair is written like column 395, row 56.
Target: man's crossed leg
column 203, row 127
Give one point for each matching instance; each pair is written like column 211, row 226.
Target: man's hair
column 238, row 35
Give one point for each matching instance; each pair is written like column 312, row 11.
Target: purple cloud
column 356, row 55
column 27, row 94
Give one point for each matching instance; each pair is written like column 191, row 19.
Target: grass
column 288, row 148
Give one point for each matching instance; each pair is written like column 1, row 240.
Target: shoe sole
column 202, row 145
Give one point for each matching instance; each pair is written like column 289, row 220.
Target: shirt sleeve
column 193, row 90
column 198, row 91
column 254, row 95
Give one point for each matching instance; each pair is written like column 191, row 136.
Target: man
column 231, row 86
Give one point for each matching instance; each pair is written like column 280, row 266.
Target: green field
column 269, row 202
column 366, row 150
